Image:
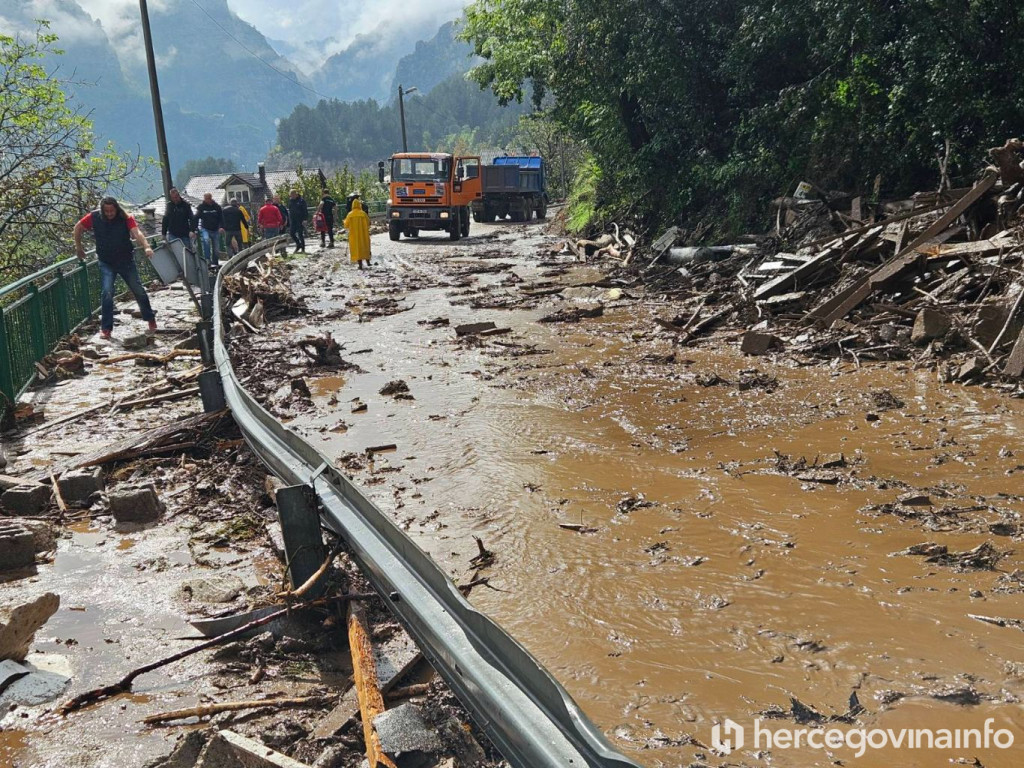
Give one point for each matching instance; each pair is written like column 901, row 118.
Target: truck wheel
column 542, row 211
column 477, row 216
column 455, row 230
column 465, row 223
column 394, row 230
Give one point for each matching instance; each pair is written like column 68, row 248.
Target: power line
column 286, row 75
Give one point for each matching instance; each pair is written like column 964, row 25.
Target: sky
column 301, row 20
column 296, row 21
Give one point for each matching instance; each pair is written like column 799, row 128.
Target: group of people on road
column 208, row 223
column 114, row 232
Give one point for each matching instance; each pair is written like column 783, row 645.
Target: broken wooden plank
column 851, row 298
column 158, row 398
column 785, row 282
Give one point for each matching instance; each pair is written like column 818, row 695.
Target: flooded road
column 682, row 535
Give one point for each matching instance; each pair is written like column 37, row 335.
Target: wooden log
column 205, row 710
column 364, row 668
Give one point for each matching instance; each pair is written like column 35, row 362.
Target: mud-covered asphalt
column 680, row 534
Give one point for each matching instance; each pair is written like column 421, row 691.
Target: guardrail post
column 211, row 390
column 35, row 321
column 204, row 332
column 298, row 511
column 6, row 368
column 63, row 317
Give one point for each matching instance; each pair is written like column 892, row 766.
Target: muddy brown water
column 738, row 587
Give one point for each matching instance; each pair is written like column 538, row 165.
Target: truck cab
column 430, row 191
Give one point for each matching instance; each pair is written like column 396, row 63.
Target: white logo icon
column 733, row 733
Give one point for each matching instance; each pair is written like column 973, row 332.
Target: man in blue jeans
column 114, row 231
column 210, row 217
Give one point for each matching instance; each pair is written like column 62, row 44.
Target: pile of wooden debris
column 936, row 276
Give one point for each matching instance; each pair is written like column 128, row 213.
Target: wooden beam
column 364, row 672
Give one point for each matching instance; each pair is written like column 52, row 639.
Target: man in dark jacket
column 178, row 221
column 284, row 213
column 298, row 212
column 327, row 205
column 114, row 231
column 211, row 223
column 232, row 219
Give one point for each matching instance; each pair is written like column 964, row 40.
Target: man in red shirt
column 270, row 219
column 114, row 230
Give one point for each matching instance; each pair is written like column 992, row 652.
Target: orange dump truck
column 431, row 191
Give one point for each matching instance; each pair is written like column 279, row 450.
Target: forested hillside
column 710, row 108
column 360, row 133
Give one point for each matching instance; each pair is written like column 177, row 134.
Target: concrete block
column 76, row 487
column 44, row 534
column 405, row 736
column 137, row 342
column 929, row 324
column 7, row 482
column 17, row 546
column 18, row 626
column 27, row 499
column 136, row 505
column 231, row 750
column 757, row 343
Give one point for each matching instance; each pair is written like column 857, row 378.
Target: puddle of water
column 325, row 386
column 13, row 747
column 740, row 587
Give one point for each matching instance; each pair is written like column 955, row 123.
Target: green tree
column 50, row 169
column 200, row 167
column 709, row 109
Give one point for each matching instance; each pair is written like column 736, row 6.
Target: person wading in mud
column 114, row 230
column 357, row 223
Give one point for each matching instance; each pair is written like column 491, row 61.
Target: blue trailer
column 514, row 187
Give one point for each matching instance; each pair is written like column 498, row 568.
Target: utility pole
column 158, row 112
column 401, row 110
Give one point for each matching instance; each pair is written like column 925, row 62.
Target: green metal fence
column 36, row 311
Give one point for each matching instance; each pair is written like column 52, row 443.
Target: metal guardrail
column 529, row 717
column 39, row 309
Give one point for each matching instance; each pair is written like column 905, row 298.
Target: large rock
column 215, row 589
column 136, row 505
column 29, row 499
column 929, row 324
column 18, row 626
column 17, row 546
column 76, row 487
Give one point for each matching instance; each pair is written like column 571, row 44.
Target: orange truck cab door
column 466, row 186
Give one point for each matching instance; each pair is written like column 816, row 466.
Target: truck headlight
column 444, row 214
column 396, row 214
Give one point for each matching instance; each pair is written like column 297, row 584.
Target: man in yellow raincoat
column 357, row 224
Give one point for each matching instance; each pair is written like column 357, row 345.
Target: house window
column 245, row 195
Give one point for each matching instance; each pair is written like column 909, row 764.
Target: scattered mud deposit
column 681, row 534
column 173, row 521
